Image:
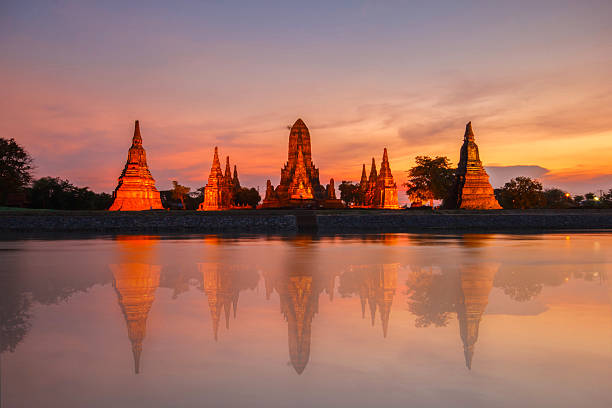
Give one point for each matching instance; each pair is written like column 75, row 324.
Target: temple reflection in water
column 435, row 296
column 135, row 284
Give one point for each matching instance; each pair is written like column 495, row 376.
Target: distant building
column 299, row 185
column 136, row 187
column 472, row 189
column 219, row 191
column 379, row 190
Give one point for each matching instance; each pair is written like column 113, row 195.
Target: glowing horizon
column 533, row 80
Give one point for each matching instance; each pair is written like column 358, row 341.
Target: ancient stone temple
column 219, row 190
column 476, row 285
column 136, row 187
column 299, row 185
column 331, row 201
column 135, row 284
column 379, row 190
column 472, row 189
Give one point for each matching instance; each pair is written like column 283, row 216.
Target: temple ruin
column 379, row 190
column 299, row 185
column 472, row 189
column 136, row 187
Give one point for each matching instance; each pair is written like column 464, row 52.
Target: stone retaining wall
column 155, row 222
column 464, row 221
column 281, row 222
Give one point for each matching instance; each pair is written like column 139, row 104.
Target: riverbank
column 280, row 221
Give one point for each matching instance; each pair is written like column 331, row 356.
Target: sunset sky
column 535, row 79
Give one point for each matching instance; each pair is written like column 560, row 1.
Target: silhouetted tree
column 15, row 168
column 58, row 194
column 179, row 192
column 521, row 192
column 350, row 193
column 557, row 198
column 247, row 196
column 431, row 179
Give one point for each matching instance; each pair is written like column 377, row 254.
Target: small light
column 596, row 199
column 567, row 195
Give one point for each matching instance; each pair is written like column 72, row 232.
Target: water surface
column 390, row 320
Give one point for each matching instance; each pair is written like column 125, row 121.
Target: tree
column 15, row 168
column 431, row 179
column 578, row 199
column 179, row 192
column 247, row 196
column 557, row 198
column 57, row 194
column 350, row 193
column 521, row 192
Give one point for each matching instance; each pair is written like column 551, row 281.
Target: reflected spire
column 476, row 285
column 218, row 286
column 135, row 285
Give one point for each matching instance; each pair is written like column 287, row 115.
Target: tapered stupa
column 136, row 187
column 135, row 284
column 472, row 189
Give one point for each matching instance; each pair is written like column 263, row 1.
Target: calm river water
column 353, row 321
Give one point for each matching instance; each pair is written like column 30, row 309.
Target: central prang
column 299, row 185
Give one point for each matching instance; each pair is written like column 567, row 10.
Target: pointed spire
column 136, row 351
column 235, row 180
column 137, row 139
column 468, row 351
column 228, row 170
column 373, row 174
column 215, row 323
column 364, row 176
column 469, row 133
column 372, row 303
column 385, row 324
column 235, row 303
column 216, row 163
column 226, row 308
column 363, row 305
column 385, row 158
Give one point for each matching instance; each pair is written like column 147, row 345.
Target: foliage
column 431, row 179
column 350, row 193
column 179, row 193
column 432, row 297
column 521, row 192
column 557, row 198
column 14, row 312
column 247, row 197
column 57, row 194
column 15, row 167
